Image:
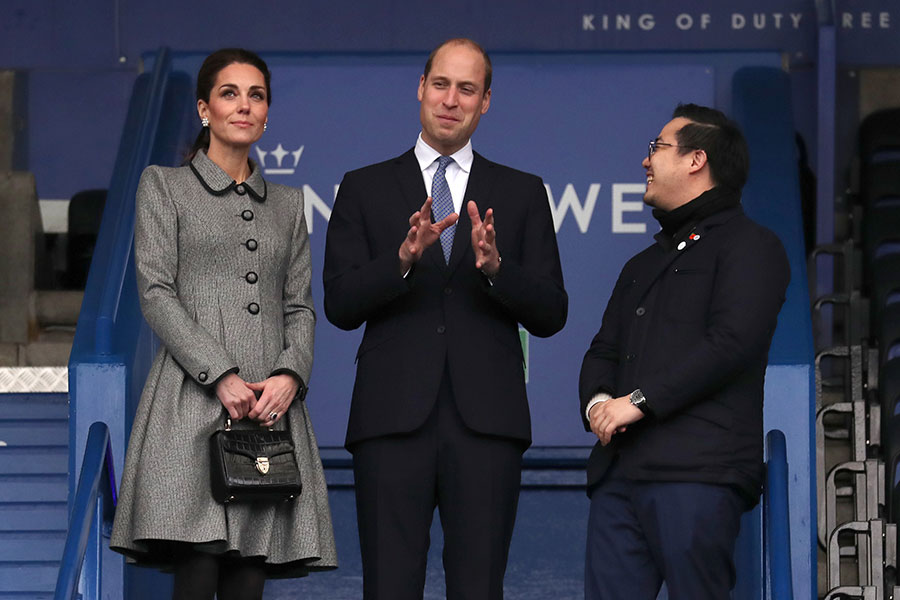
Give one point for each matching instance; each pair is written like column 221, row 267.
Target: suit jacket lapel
column 479, row 189
column 411, row 184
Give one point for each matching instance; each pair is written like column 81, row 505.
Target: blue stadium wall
column 81, row 58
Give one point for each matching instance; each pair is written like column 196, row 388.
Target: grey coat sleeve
column 156, row 256
column 299, row 316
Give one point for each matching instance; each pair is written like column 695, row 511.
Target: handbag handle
column 228, row 424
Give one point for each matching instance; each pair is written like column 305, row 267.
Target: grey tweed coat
column 224, row 280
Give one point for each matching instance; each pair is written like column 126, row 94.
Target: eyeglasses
column 655, row 144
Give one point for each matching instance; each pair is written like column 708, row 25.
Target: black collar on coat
column 218, row 183
column 695, row 233
column 709, row 209
column 478, row 189
column 675, row 249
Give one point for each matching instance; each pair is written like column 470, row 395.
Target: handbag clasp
column 262, row 464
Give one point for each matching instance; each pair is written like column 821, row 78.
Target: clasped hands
column 423, row 233
column 239, row 397
column 613, row 416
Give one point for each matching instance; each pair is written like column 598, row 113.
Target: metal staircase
column 34, row 452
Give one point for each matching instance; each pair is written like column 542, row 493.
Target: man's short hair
column 488, row 70
column 720, row 137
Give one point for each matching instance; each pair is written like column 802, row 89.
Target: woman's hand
column 236, row 396
column 277, row 394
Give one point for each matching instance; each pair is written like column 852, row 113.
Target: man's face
column 667, row 169
column 453, row 98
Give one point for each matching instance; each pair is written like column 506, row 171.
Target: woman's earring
column 204, row 122
column 265, row 125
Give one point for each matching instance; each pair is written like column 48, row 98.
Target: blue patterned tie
column 442, row 204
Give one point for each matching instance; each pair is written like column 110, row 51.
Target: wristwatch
column 638, row 401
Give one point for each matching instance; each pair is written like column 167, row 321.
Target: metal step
column 24, row 433
column 30, row 516
column 33, row 488
column 28, row 577
column 36, row 460
column 39, row 546
column 32, row 406
column 34, row 454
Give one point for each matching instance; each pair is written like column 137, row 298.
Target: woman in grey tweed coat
column 224, row 273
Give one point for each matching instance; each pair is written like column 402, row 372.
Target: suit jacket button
column 202, row 377
column 251, row 277
column 253, row 308
column 629, row 357
column 240, row 189
column 247, row 215
column 448, row 291
column 640, row 311
column 251, row 245
column 441, row 329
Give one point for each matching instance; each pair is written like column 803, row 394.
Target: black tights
column 200, row 576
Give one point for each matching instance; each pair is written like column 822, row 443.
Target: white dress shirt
column 457, row 172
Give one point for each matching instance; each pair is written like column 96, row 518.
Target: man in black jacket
column 672, row 384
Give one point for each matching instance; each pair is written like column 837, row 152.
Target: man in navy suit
column 672, row 385
column 442, row 254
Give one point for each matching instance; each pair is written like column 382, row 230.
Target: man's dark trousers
column 473, row 478
column 642, row 532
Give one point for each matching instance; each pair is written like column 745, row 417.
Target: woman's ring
column 273, row 415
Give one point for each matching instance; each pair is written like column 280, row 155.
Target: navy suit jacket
column 440, row 316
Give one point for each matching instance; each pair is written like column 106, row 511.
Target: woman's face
column 238, row 106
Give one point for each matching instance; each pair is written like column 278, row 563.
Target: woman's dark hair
column 206, row 78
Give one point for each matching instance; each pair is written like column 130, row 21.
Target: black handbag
column 253, row 465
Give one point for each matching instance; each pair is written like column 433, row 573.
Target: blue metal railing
column 777, row 533
column 123, row 187
column 113, row 346
column 90, row 520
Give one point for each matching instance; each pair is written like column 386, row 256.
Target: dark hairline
column 723, row 142
column 239, row 56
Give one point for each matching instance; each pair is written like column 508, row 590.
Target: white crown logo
column 279, row 153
